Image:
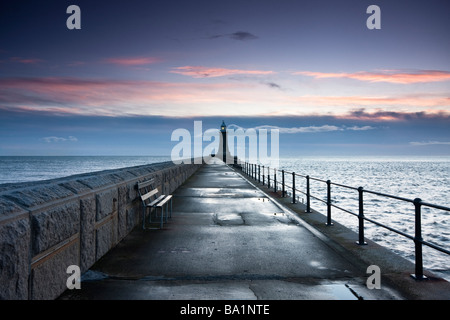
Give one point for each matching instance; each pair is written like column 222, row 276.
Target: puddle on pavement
column 92, row 275
column 316, row 264
column 341, row 291
column 228, row 219
column 175, row 250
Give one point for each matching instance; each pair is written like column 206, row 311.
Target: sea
column 427, row 178
column 15, row 169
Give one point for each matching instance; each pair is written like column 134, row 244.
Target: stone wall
column 47, row 226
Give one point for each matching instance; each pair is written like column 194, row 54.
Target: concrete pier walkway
column 226, row 240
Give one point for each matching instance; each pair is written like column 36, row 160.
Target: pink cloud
column 406, row 101
column 116, row 97
column 131, row 97
column 26, row 60
column 133, row 61
column 205, row 72
column 391, row 76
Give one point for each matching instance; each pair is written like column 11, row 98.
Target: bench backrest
column 146, row 191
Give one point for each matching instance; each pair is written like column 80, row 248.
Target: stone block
column 38, row 195
column 49, row 278
column 125, row 174
column 99, row 180
column 139, row 171
column 127, row 193
column 87, row 232
column 106, row 203
column 127, row 198
column 14, row 259
column 133, row 217
column 9, row 208
column 105, row 238
column 75, row 186
column 54, row 225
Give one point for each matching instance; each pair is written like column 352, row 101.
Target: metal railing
column 254, row 171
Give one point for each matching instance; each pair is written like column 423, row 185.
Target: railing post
column 268, row 177
column 308, row 196
column 282, row 184
column 293, row 187
column 329, row 223
column 361, row 218
column 264, row 179
column 275, row 179
column 418, row 241
column 259, row 173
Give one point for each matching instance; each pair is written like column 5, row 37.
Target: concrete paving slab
column 226, row 205
column 209, row 179
column 219, row 192
column 242, row 289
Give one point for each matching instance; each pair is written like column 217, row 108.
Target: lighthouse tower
column 223, row 152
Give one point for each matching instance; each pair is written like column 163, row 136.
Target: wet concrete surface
column 226, row 240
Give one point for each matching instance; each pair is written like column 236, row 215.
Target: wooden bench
column 151, row 200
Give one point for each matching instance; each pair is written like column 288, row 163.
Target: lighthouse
column 223, row 152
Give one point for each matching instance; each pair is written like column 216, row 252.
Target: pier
column 231, row 233
column 230, row 239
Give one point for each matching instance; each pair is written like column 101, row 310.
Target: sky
column 138, row 70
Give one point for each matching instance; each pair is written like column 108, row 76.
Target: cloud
column 428, row 143
column 390, row 76
column 59, row 139
column 206, row 72
column 239, row 35
column 426, row 100
column 363, row 128
column 26, row 60
column 363, row 115
column 273, row 85
column 132, row 61
column 243, row 36
column 308, row 129
column 107, row 97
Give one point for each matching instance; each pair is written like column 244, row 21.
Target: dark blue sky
column 138, row 70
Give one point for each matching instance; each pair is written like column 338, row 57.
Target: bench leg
column 143, row 217
column 167, row 212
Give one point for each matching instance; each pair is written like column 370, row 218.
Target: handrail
column 252, row 169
